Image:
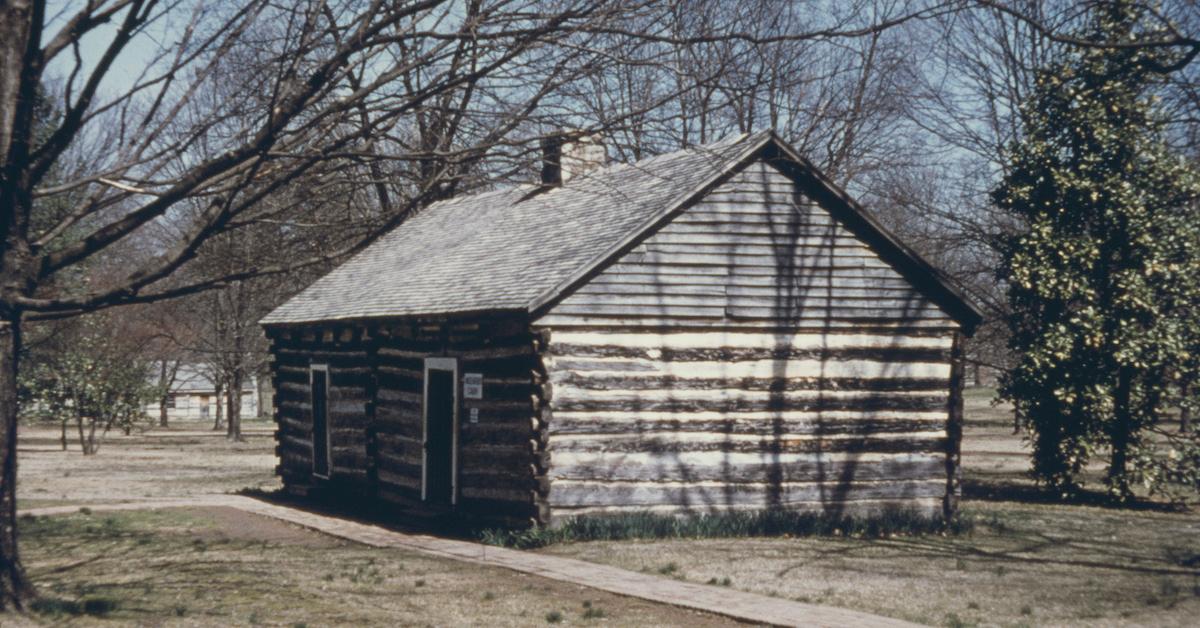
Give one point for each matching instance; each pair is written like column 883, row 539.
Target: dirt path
column 739, row 605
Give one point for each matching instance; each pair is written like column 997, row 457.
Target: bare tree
column 325, row 79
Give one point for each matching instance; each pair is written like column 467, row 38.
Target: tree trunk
column 15, row 589
column 220, row 406
column 63, row 436
column 1185, row 409
column 1120, row 436
column 83, row 438
column 162, row 400
column 233, row 419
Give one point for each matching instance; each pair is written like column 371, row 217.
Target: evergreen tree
column 1102, row 277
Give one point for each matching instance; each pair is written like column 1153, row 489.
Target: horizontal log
column 746, row 467
column 749, row 340
column 404, row 496
column 294, row 356
column 679, row 442
column 780, row 207
column 811, row 264
column 295, row 443
column 650, row 324
column 790, row 303
column 760, row 287
column 348, row 474
column 571, row 493
column 295, row 426
column 526, row 481
column 733, row 311
column 511, row 495
column 408, row 426
column 504, row 510
column 404, row 398
column 501, row 459
column 743, row 354
column 929, row 507
column 868, row 369
column 916, row 399
column 780, row 403
column 483, row 434
column 398, row 441
column 637, row 264
column 782, row 415
column 794, row 255
column 592, row 381
column 632, row 423
column 295, row 459
column 782, row 238
column 397, row 480
column 708, row 222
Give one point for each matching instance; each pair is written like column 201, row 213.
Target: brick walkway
column 739, row 605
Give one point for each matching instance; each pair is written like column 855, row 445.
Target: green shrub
column 95, row 606
column 776, row 522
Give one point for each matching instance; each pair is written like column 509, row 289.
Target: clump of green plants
column 592, row 612
column 553, row 617
column 94, row 606
column 776, row 522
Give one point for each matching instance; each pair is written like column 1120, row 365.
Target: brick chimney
column 566, row 155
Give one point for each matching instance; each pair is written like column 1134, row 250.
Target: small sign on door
column 473, row 385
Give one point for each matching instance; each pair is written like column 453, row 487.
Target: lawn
column 1023, row 563
column 221, row 567
column 151, row 464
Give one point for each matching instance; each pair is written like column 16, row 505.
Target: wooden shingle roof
column 517, row 250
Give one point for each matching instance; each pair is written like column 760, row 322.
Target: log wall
column 376, row 417
column 345, row 352
column 752, row 353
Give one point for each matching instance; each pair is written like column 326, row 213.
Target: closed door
column 320, row 421
column 439, row 435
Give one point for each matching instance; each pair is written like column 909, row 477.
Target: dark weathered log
column 485, row 435
column 507, row 494
column 393, row 481
column 295, row 443
column 498, row 509
column 294, row 426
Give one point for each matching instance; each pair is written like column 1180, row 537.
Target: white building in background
column 193, row 396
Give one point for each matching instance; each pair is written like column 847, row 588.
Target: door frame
column 439, row 364
column 324, row 368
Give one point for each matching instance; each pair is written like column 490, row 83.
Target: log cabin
column 717, row 328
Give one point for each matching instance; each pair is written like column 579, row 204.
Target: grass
column 1020, row 560
column 1020, row 564
column 890, row 522
column 186, row 459
column 147, row 568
